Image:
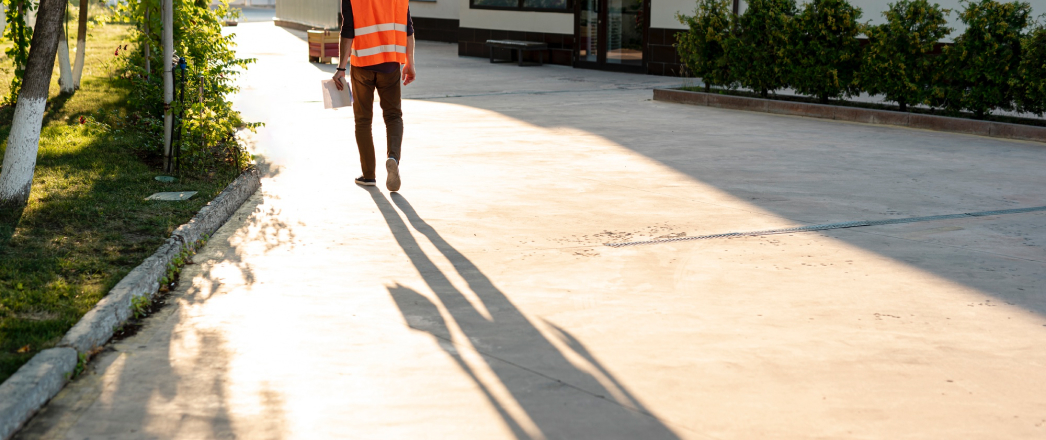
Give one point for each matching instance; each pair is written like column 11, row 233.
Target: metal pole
column 168, row 80
column 148, row 42
column 181, row 112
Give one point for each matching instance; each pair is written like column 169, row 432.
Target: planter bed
column 856, row 114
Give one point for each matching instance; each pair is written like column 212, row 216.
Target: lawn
column 86, row 224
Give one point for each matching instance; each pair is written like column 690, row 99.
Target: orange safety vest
column 381, row 32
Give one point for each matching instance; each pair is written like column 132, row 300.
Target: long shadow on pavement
column 559, row 399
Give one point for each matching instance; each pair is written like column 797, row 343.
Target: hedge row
column 998, row 63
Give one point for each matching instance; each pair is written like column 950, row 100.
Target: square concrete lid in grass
column 172, row 196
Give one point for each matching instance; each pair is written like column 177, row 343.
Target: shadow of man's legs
column 559, row 398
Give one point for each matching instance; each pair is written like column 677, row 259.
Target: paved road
column 479, row 302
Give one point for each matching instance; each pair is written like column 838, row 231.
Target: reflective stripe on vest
column 379, row 49
column 380, row 28
column 380, row 32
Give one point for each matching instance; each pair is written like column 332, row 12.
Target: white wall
column 249, row 3
column 318, row 13
column 435, row 9
column 550, row 22
column 663, row 12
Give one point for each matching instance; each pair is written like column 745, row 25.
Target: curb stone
column 46, row 373
column 33, row 385
column 856, row 114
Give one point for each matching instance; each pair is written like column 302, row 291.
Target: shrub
column 826, row 51
column 703, row 48
column 899, row 61
column 1032, row 72
column 983, row 63
column 760, row 45
column 209, row 123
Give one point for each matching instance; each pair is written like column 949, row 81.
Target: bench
column 519, row 47
column 323, row 45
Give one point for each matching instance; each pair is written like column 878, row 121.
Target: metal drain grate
column 827, row 226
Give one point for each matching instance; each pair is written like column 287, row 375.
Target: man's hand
column 408, row 74
column 339, row 78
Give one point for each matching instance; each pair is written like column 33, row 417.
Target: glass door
column 611, row 34
column 588, row 39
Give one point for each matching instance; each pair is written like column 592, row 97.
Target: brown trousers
column 364, row 82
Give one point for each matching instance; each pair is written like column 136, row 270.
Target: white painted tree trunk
column 168, row 80
column 81, row 44
column 65, row 71
column 16, row 175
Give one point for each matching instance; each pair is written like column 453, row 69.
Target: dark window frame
column 568, row 9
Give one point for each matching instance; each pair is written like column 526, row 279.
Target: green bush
column 20, row 35
column 703, row 48
column 825, row 49
column 899, row 61
column 983, row 63
column 1032, row 72
column 760, row 45
column 209, row 122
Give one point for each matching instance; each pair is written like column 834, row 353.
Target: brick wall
column 664, row 60
column 435, row 29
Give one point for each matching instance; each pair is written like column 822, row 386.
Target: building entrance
column 611, row 34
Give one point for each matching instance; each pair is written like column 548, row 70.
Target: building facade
column 621, row 35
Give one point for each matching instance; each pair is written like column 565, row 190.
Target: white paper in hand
column 334, row 98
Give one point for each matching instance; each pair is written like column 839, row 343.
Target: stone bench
column 519, row 47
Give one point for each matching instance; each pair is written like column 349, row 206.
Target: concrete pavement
column 479, row 301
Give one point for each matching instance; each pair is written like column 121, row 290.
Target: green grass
column 86, row 224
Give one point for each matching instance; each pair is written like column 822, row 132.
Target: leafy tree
column 900, row 61
column 1032, row 72
column 984, row 61
column 703, row 48
column 760, row 47
column 20, row 34
column 826, row 51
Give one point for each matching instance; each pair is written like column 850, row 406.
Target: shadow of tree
column 10, row 215
column 160, row 373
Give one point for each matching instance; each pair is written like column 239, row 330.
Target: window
column 524, row 5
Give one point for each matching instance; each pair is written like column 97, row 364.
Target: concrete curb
column 856, row 114
column 45, row 374
column 32, row 386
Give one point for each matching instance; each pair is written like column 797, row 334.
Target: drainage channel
column 827, row 226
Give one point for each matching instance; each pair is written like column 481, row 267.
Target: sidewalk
column 480, row 303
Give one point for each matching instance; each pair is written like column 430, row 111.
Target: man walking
column 377, row 38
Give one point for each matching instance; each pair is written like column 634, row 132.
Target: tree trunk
column 65, row 71
column 903, row 104
column 708, row 88
column 824, row 98
column 168, row 80
column 764, row 93
column 16, row 177
column 81, row 43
